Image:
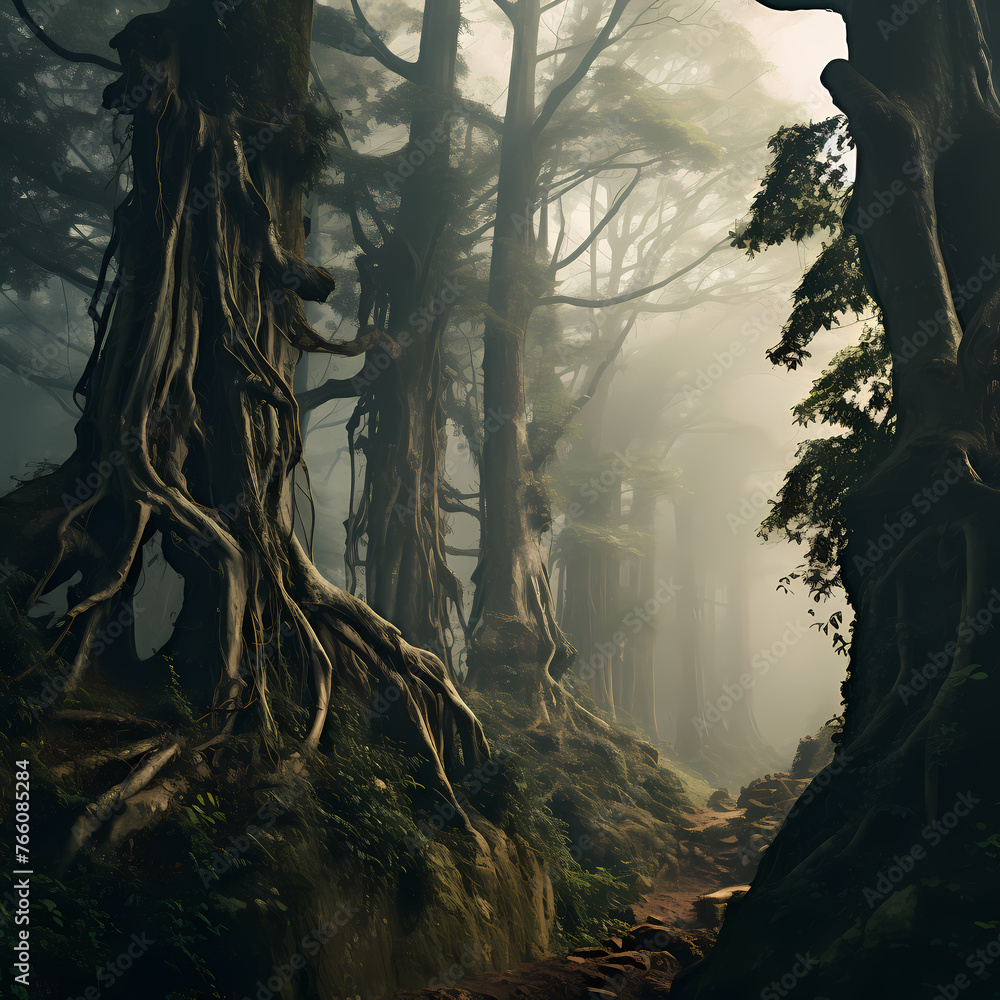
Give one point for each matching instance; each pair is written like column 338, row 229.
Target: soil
column 672, row 925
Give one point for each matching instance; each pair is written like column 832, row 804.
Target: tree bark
column 888, row 856
column 190, row 427
column 516, row 643
column 407, row 579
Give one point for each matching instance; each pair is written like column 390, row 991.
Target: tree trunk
column 516, row 644
column 190, row 428
column 690, row 739
column 876, row 882
column 407, row 579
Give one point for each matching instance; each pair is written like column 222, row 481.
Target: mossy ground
column 234, row 864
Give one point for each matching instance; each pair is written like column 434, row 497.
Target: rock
column 646, row 937
column 613, row 943
column 711, row 908
column 685, row 947
column 616, row 973
column 591, row 952
column 721, row 801
column 814, row 753
column 634, row 959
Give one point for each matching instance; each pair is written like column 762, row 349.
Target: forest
column 497, row 499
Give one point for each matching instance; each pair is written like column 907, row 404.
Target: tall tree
column 893, row 850
column 189, row 432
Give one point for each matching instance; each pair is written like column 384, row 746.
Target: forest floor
column 674, row 922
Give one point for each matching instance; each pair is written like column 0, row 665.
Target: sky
column 798, row 43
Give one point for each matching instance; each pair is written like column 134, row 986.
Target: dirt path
column 671, row 928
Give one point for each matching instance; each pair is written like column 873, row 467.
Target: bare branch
column 508, row 8
column 570, row 300
column 608, row 216
column 332, row 388
column 407, row 70
column 80, row 57
column 562, row 90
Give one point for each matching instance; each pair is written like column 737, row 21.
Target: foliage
column 804, row 192
column 852, row 394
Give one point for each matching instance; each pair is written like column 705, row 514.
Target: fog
column 693, row 383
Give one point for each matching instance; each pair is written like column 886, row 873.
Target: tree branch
column 570, row 300
column 80, row 57
column 608, row 216
column 332, row 388
column 562, row 90
column 508, row 8
column 407, row 70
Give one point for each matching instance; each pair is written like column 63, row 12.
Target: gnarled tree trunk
column 407, row 579
column 876, row 882
column 190, row 428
